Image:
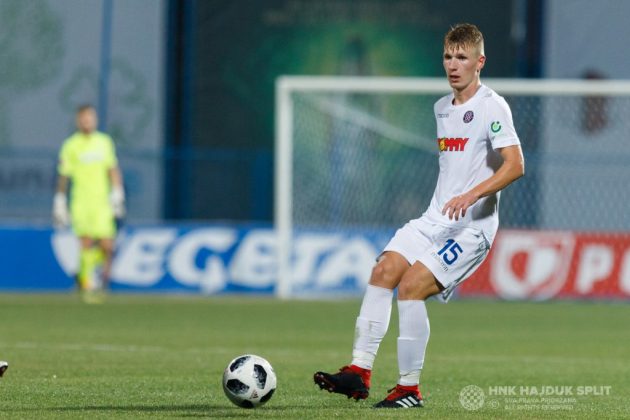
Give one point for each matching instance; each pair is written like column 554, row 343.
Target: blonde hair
column 84, row 107
column 465, row 36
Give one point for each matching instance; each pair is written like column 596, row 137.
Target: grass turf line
column 163, row 357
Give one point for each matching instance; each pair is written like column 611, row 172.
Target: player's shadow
column 185, row 410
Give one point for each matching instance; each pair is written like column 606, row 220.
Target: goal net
column 357, row 157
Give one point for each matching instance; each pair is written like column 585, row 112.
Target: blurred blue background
column 186, row 87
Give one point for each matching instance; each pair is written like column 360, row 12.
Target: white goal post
column 551, row 114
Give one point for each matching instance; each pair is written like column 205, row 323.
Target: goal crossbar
column 411, row 85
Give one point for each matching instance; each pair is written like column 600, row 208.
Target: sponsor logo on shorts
column 439, row 260
column 452, row 144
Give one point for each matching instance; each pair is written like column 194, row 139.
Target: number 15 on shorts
column 450, row 251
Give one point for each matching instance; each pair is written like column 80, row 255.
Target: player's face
column 462, row 66
column 87, row 120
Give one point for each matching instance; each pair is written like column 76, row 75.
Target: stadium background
column 186, row 88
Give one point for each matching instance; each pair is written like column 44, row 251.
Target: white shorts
column 452, row 254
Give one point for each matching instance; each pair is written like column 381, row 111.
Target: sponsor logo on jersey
column 452, row 144
column 442, row 115
column 91, row 156
column 468, row 116
column 495, row 126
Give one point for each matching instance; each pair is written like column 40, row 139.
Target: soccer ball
column 249, row 381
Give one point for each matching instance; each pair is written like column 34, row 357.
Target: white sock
column 371, row 325
column 412, row 341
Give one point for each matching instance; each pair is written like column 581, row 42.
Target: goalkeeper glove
column 117, row 200
column 61, row 216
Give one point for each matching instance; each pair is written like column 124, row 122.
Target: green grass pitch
column 163, row 356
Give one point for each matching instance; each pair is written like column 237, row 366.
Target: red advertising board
column 541, row 265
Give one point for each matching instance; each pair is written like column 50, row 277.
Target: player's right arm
column 61, row 214
column 62, row 184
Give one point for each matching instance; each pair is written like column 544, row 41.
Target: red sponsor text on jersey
column 452, row 144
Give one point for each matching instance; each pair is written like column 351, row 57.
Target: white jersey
column 468, row 136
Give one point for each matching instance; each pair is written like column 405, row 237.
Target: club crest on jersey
column 452, row 144
column 468, row 116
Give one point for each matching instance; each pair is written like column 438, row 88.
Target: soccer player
column 88, row 160
column 479, row 155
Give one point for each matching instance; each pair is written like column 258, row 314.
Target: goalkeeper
column 88, row 164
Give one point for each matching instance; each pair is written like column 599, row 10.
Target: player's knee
column 86, row 243
column 107, row 247
column 408, row 288
column 384, row 274
column 419, row 286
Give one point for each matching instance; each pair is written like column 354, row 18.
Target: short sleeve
column 499, row 124
column 111, row 161
column 66, row 163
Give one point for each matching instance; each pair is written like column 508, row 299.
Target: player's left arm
column 117, row 194
column 512, row 168
column 115, row 177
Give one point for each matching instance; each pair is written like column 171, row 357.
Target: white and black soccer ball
column 249, row 381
